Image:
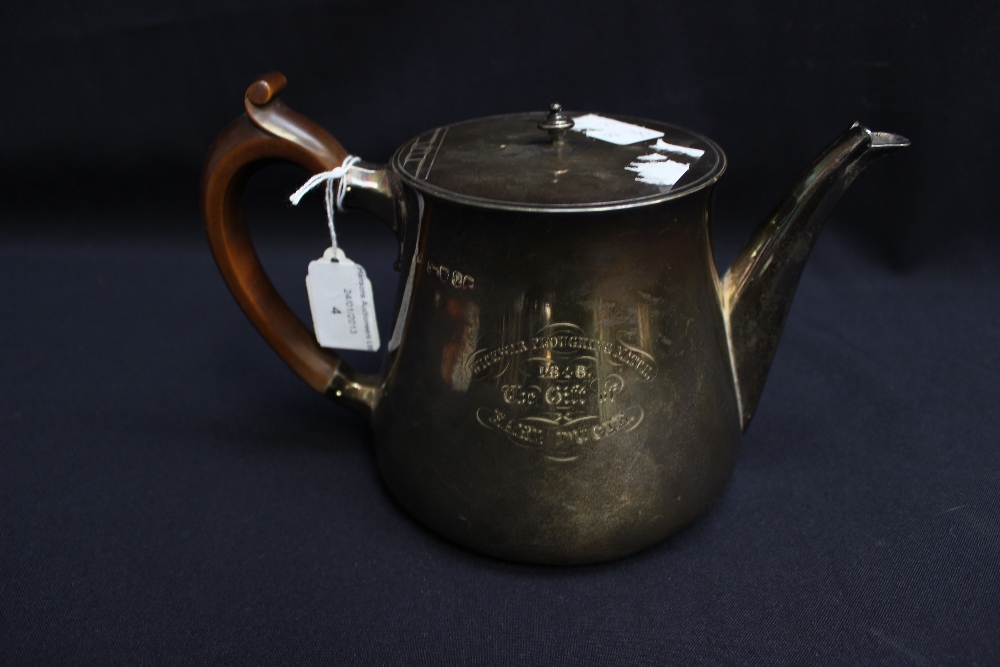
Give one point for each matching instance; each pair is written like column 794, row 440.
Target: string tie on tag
column 334, row 199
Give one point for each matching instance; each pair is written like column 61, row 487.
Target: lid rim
column 424, row 186
column 469, row 200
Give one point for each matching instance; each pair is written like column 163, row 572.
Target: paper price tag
column 340, row 298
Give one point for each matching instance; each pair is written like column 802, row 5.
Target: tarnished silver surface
column 573, row 382
column 563, row 391
column 567, row 377
column 507, row 162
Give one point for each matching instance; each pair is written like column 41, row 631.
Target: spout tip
column 888, row 141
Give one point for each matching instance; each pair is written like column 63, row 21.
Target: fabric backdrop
column 170, row 493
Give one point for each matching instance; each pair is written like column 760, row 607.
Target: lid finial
column 556, row 123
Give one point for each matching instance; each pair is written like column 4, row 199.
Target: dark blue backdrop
column 171, row 494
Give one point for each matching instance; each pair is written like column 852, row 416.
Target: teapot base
column 570, row 516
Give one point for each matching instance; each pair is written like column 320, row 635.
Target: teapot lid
column 562, row 161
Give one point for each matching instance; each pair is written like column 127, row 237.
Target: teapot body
column 568, row 377
column 558, row 388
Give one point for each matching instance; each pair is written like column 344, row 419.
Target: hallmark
column 455, row 278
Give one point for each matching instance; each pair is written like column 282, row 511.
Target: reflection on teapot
column 568, row 376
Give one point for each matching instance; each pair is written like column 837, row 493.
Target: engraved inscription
column 455, row 278
column 561, row 391
column 574, row 434
column 620, row 352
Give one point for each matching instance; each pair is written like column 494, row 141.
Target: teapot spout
column 757, row 290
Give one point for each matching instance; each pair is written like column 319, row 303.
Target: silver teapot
column 568, row 376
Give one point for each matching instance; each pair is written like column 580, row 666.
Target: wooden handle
column 271, row 131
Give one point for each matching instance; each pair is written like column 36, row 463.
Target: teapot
column 568, row 376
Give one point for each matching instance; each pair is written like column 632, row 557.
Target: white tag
column 340, row 298
column 613, row 131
